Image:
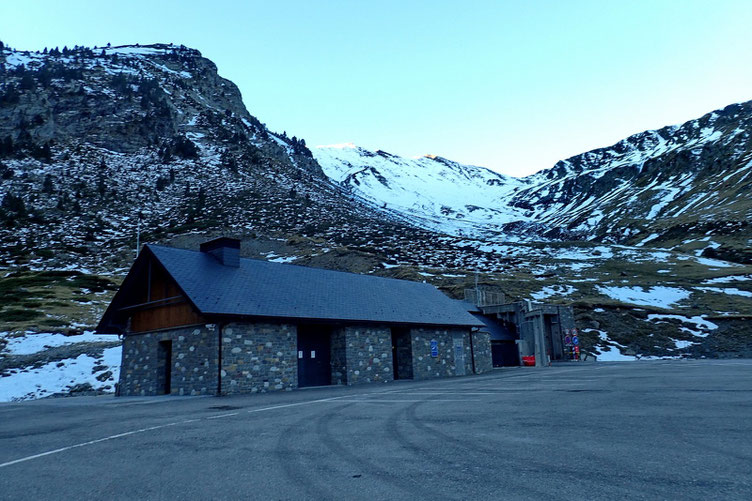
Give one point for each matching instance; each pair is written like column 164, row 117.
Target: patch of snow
column 732, row 278
column 697, row 321
column 610, row 351
column 729, row 290
column 31, row 383
column 717, row 263
column 272, row 257
column 34, row 343
column 682, row 344
column 553, row 290
column 658, row 296
column 651, row 237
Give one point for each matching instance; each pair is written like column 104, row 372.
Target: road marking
column 223, row 415
column 91, row 442
column 158, row 427
column 448, row 393
column 378, row 401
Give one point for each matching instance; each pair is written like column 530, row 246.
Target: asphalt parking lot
column 639, row 430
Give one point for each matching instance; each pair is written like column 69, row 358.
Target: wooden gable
column 149, row 300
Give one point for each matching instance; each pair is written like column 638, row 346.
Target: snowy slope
column 646, row 188
column 432, row 191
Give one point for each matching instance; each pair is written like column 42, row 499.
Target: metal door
column 314, row 357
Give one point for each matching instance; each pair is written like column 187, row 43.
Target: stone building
column 521, row 328
column 210, row 322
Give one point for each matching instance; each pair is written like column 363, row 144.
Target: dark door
column 314, row 356
column 504, row 353
column 164, row 366
column 402, row 354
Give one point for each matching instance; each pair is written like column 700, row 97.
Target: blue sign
column 434, row 348
column 575, row 340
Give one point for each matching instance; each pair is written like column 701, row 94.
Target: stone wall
column 339, row 355
column 368, row 354
column 444, row 365
column 259, row 357
column 482, row 349
column 194, row 362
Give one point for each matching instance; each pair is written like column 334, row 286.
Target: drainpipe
column 219, row 360
column 472, row 349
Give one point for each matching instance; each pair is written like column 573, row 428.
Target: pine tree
column 48, row 186
column 101, row 185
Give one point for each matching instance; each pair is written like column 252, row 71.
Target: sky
column 510, row 85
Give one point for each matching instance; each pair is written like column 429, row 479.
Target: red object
column 528, row 361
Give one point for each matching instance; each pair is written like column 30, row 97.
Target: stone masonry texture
column 368, row 354
column 194, row 362
column 425, row 366
column 482, row 349
column 259, row 357
column 262, row 357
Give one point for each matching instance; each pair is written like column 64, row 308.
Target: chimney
column 225, row 250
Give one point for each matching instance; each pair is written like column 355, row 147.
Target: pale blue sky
column 514, row 86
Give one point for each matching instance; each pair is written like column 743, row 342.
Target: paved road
column 640, row 430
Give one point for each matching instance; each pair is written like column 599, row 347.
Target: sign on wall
column 434, row 348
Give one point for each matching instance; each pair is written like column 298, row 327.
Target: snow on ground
column 658, row 296
column 731, row 278
column 280, row 259
column 31, row 343
column 715, row 263
column 652, row 236
column 610, row 351
column 553, row 290
column 698, row 321
column 441, row 194
column 728, row 290
column 31, row 383
column 681, row 344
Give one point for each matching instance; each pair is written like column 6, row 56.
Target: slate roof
column 491, row 325
column 264, row 289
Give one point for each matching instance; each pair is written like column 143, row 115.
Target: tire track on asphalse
column 323, row 429
column 478, row 451
column 662, row 485
column 674, row 428
column 485, row 473
column 293, row 463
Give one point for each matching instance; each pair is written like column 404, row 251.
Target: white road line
column 223, row 415
column 296, row 404
column 91, row 442
column 378, row 401
column 175, row 423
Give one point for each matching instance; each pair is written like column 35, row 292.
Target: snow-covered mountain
column 430, row 191
column 673, row 187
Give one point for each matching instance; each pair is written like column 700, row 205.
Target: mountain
column 104, row 148
column 684, row 187
column 430, row 191
column 94, row 140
